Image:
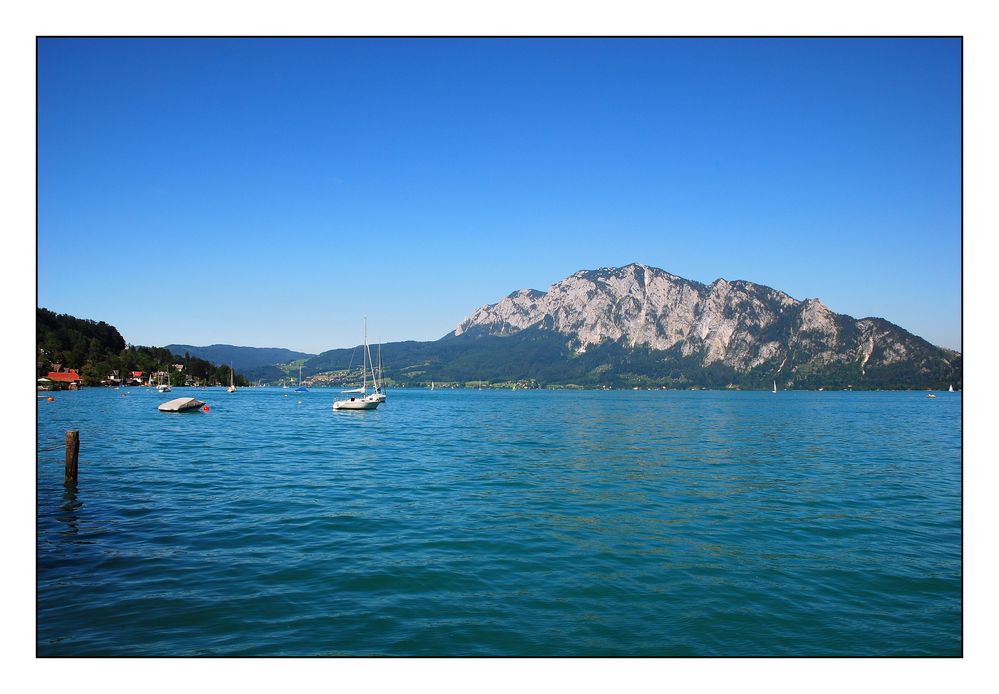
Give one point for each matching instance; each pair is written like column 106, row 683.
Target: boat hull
column 355, row 404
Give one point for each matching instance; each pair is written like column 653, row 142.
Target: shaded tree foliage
column 96, row 349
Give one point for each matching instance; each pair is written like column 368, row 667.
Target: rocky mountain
column 745, row 332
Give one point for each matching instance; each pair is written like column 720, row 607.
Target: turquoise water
column 502, row 523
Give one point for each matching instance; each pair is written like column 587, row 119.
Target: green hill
column 241, row 358
column 97, row 350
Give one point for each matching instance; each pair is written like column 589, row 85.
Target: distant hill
column 641, row 326
column 241, row 358
column 633, row 326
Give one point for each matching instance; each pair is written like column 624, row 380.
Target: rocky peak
column 525, row 294
column 739, row 323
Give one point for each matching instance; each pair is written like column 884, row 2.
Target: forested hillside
column 96, row 350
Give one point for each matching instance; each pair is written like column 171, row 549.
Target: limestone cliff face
column 740, row 324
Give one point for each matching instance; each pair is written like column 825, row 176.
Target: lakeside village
column 73, row 353
column 60, row 378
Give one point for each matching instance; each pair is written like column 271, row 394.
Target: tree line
column 544, row 357
column 96, row 350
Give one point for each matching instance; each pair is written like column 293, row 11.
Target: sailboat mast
column 364, row 366
column 371, row 363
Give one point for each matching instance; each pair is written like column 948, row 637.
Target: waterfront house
column 68, row 379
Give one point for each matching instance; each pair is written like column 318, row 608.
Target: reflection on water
column 69, row 509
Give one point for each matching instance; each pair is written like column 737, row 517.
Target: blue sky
column 273, row 192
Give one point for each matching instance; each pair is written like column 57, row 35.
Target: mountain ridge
column 648, row 306
column 641, row 325
column 241, row 357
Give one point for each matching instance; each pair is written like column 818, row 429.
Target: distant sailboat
column 950, row 389
column 361, row 401
column 301, row 388
column 775, row 386
column 431, row 385
column 232, row 385
column 378, row 394
column 163, row 387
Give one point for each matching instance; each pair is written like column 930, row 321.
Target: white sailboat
column 950, row 389
column 232, row 385
column 359, row 399
column 775, row 386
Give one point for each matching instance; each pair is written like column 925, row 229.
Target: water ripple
column 500, row 523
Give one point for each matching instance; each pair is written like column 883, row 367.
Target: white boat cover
column 180, row 405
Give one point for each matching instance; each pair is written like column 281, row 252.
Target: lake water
column 514, row 523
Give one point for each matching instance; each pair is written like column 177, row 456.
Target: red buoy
column 51, row 399
column 206, row 408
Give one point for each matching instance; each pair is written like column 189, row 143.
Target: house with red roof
column 67, row 379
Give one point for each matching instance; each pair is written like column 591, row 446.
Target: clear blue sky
column 272, row 192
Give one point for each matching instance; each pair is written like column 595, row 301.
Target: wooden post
column 72, row 454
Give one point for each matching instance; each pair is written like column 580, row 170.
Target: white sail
column 378, row 379
column 775, row 386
